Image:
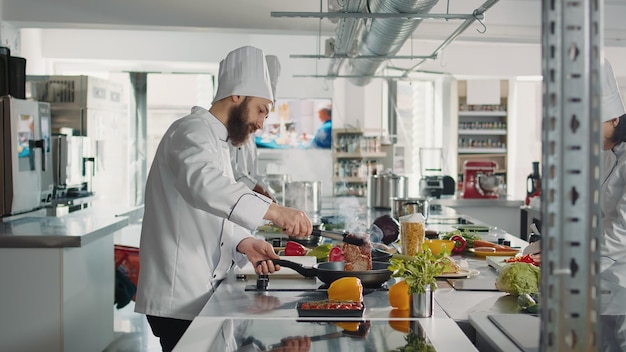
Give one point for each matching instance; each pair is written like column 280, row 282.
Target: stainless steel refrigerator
column 25, row 165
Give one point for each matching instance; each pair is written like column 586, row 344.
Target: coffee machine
column 480, row 180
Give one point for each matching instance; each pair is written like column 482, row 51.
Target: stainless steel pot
column 304, row 195
column 381, row 188
column 407, row 206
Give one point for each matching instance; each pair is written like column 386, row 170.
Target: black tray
column 329, row 313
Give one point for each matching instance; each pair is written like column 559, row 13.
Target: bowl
column 489, row 183
column 440, row 247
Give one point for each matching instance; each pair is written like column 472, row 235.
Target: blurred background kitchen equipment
column 480, row 180
column 276, row 183
column 406, row 206
column 74, row 166
column 25, row 169
column 431, row 164
column 12, row 74
column 533, row 183
column 94, row 107
column 381, row 188
column 304, row 195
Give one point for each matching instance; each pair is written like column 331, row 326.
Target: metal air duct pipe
column 346, row 33
column 385, row 37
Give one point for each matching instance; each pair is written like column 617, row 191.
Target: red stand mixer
column 480, row 180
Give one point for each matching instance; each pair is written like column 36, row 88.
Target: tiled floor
column 132, row 332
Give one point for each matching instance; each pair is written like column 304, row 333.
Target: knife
column 339, row 236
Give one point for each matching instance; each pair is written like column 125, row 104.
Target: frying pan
column 331, row 271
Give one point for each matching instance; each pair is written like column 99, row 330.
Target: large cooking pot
column 331, row 271
column 304, row 195
column 381, row 188
column 406, row 206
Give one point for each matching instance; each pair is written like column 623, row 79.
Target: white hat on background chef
column 273, row 65
column 244, row 72
column 612, row 104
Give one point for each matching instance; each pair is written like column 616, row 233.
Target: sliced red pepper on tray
column 295, row 249
column 459, row 244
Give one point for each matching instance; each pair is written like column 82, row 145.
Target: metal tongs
column 340, row 236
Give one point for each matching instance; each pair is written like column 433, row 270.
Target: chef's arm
column 294, row 222
column 258, row 188
column 613, row 246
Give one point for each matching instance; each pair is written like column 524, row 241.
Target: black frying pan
column 331, row 271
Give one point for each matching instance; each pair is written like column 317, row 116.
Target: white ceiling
column 507, row 21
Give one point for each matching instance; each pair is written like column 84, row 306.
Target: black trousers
column 168, row 330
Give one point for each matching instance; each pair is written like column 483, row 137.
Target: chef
column 244, row 157
column 613, row 242
column 197, row 219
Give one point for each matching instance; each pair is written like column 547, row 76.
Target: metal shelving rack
column 572, row 56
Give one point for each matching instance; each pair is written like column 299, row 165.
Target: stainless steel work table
column 271, row 315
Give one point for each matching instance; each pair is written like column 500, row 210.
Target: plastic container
column 412, row 233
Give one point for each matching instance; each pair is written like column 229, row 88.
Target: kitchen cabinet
column 357, row 154
column 58, row 281
column 482, row 130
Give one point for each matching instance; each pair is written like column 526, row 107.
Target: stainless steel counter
column 461, row 202
column 72, row 230
column 233, row 314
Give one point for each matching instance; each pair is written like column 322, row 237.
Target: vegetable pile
column 466, row 235
column 523, row 259
column 519, row 278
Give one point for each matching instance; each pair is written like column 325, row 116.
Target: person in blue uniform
column 323, row 135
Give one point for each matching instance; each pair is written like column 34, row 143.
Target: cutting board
column 522, row 329
column 306, row 260
column 476, row 284
column 496, row 262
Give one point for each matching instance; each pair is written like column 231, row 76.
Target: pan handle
column 306, row 272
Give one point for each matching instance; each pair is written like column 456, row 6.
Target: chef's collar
column 244, row 72
column 612, row 104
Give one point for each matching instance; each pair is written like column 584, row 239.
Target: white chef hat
column 273, row 65
column 612, row 104
column 244, row 72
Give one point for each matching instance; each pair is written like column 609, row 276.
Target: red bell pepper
column 295, row 249
column 335, row 255
column 459, row 244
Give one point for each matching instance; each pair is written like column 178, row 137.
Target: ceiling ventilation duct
column 346, row 33
column 384, row 37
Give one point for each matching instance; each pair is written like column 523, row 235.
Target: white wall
column 51, row 50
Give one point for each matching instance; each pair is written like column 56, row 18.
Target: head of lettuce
column 519, row 278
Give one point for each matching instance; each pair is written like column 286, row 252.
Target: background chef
column 197, row 219
column 613, row 241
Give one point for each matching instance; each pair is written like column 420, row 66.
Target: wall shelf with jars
column 482, row 129
column 357, row 154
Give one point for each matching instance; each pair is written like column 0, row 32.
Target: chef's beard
column 238, row 128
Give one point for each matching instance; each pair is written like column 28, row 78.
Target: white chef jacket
column 613, row 246
column 244, row 162
column 189, row 236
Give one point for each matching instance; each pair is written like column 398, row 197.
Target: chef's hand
column 294, row 222
column 259, row 250
column 293, row 344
